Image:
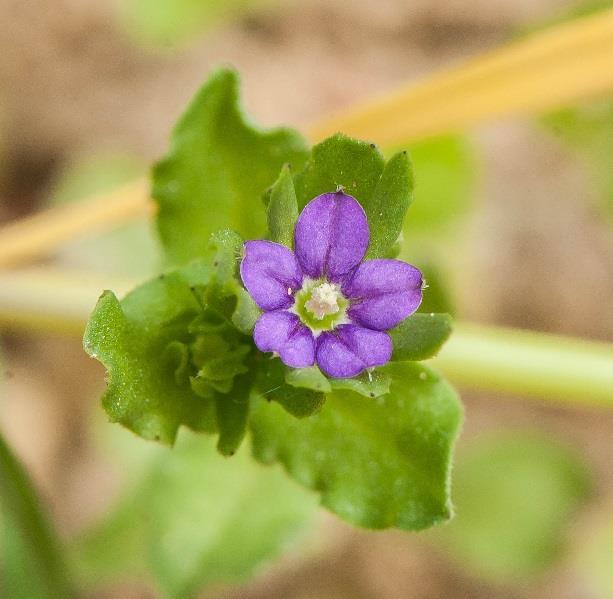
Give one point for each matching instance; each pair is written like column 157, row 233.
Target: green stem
column 527, row 363
column 497, row 359
column 24, row 514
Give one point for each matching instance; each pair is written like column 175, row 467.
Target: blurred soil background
column 536, row 253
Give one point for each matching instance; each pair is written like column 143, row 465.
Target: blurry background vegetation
column 512, row 223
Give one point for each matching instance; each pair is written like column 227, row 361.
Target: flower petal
column 271, row 274
column 282, row 332
column 349, row 349
column 331, row 235
column 383, row 293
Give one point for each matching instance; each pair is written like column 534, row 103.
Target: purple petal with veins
column 350, row 349
column 331, row 236
column 383, row 293
column 271, row 274
column 282, row 332
column 331, row 239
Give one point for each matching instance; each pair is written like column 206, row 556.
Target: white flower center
column 323, row 300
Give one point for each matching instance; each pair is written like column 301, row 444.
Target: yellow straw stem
column 37, row 235
column 558, row 66
column 52, row 299
column 529, row 363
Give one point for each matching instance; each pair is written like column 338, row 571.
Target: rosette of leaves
column 179, row 351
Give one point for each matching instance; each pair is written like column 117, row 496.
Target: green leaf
column 29, row 541
column 388, row 205
column 420, row 336
column 177, row 355
column 171, row 358
column 383, row 190
column 564, row 15
column 20, row 575
column 516, row 494
column 299, row 392
column 212, row 522
column 308, row 378
column 173, row 23
column 225, row 294
column 232, row 414
column 228, row 365
column 340, row 161
column 588, row 130
column 283, row 209
column 195, row 520
column 437, row 296
column 376, row 463
column 228, row 247
column 221, row 358
column 369, row 384
column 216, row 171
column 246, row 312
column 131, row 339
column 114, row 550
column 444, row 184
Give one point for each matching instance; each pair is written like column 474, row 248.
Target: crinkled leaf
column 225, row 295
column 226, row 366
column 376, row 463
column 202, row 387
column 369, row 384
column 216, row 171
column 282, row 209
column 515, row 495
column 220, row 359
column 196, row 520
column 176, row 355
column 207, row 322
column 297, row 397
column 132, row 338
column 420, row 336
column 232, row 413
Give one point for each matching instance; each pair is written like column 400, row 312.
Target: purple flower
column 322, row 304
